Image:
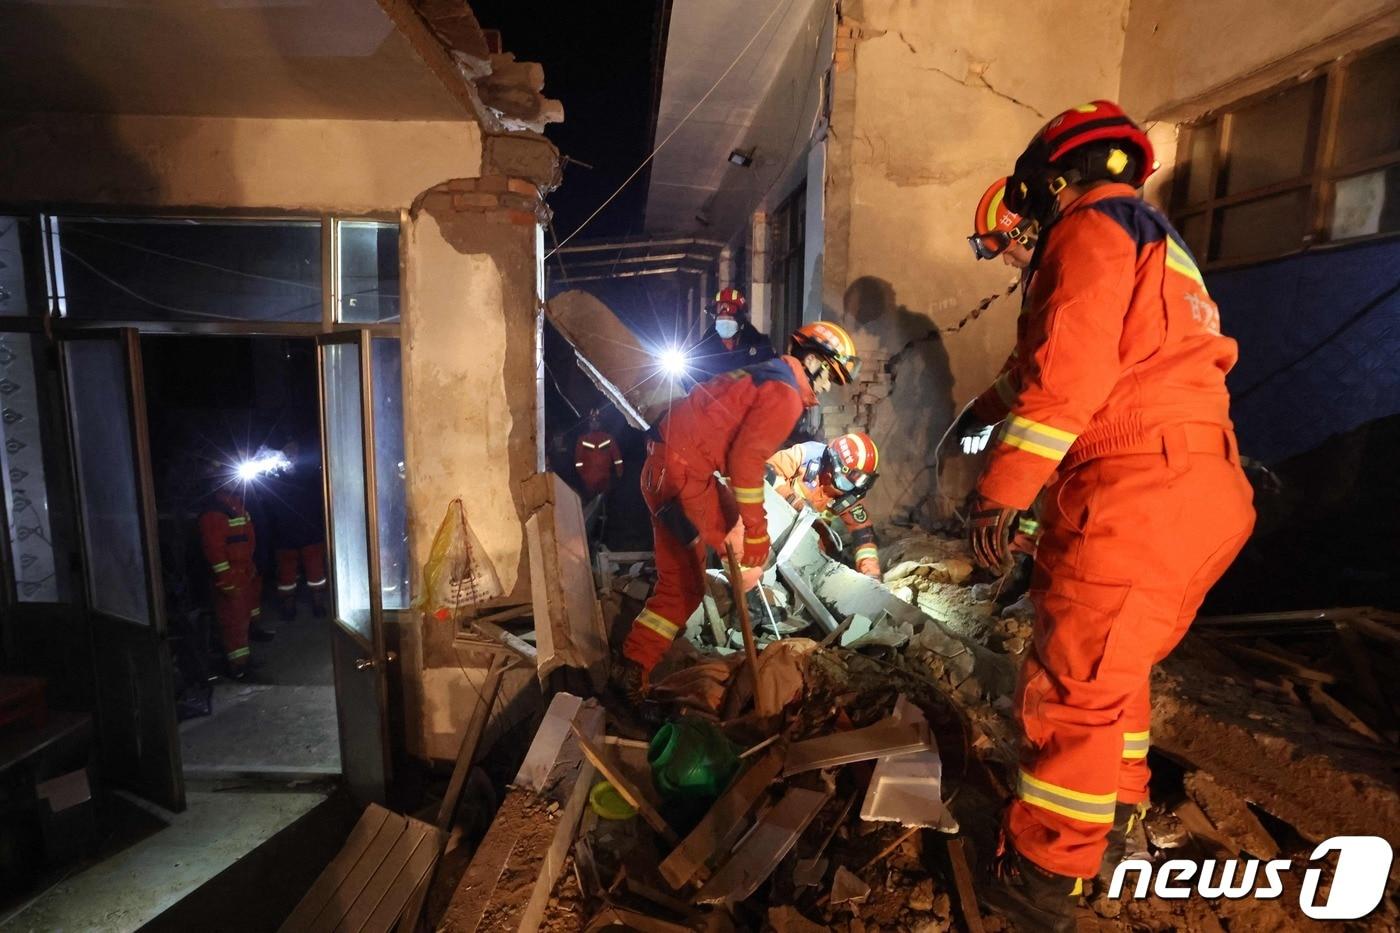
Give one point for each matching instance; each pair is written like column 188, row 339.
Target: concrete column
column 760, row 289
column 472, row 273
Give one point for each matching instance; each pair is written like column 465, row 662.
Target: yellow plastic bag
column 458, row 574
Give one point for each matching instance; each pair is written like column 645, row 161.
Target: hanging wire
column 777, row 7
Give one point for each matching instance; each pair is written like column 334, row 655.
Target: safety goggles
column 993, row 244
column 852, row 480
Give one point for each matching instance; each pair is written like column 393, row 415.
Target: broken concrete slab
column 908, row 788
column 846, row 888
column 1230, row 814
column 886, row 737
column 508, row 882
column 569, row 627
column 761, row 851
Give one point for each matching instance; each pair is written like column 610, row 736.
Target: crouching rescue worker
column 227, row 538
column 729, row 425
column 1121, row 408
column 832, row 479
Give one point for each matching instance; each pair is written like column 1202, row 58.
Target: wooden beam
column 886, row 737
column 690, row 858
column 598, row 756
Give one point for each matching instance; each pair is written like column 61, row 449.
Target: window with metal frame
column 1314, row 161
column 789, row 224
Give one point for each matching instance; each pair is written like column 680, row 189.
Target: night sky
column 598, row 60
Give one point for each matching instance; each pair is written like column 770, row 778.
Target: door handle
column 365, row 664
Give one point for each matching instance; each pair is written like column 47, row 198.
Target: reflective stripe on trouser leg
column 1133, row 772
column 663, row 627
column 1077, row 805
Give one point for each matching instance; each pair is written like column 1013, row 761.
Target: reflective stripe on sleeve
column 236, row 522
column 220, row 567
column 237, row 653
column 1090, row 808
column 749, row 495
column 1136, row 744
column 1179, row 260
column 657, row 624
column 867, row 550
column 1039, row 439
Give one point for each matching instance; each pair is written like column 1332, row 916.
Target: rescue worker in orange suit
column 728, row 425
column 597, row 458
column 832, row 479
column 731, row 342
column 1122, row 415
column 294, row 507
column 227, row 538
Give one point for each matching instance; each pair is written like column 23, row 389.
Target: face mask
column 726, row 327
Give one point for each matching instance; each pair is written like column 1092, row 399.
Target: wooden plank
column 597, row 756
column 1285, row 664
column 356, row 919
column 962, row 877
column 1333, row 707
column 329, row 881
column 354, row 881
column 471, row 739
column 741, row 605
column 409, row 880
column 886, row 737
column 690, row 857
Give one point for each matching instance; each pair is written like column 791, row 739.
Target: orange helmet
column 995, row 226
column 832, row 343
column 1091, row 142
column 731, row 297
column 849, row 463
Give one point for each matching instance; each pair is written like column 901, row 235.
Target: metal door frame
column 374, row 647
column 129, row 340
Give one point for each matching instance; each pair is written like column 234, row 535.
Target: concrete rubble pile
column 857, row 771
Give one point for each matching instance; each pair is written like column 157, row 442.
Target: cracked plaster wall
column 940, row 100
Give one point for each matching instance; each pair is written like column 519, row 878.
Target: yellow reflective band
column 1039, row 439
column 604, row 444
column 867, row 550
column 1078, row 888
column 220, row 567
column 759, row 540
column 617, row 462
column 240, row 520
column 256, row 612
column 1005, row 390
column 237, row 653
column 578, row 464
column 588, row 445
column 749, row 495
column 1077, row 805
column 657, row 624
column 1178, row 260
column 1136, row 744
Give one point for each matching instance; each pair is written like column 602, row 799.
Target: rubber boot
column 1127, row 826
column 318, row 603
column 1031, row 898
column 288, row 608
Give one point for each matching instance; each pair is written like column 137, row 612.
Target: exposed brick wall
column 850, row 409
column 517, row 199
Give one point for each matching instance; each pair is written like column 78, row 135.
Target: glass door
column 349, row 455
column 116, row 505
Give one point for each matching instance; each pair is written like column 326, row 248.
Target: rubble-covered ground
column 1294, row 684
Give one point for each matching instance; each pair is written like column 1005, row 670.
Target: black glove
column 989, row 530
column 972, row 432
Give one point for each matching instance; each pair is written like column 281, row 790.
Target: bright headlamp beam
column 674, row 362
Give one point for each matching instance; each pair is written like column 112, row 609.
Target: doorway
column 234, row 425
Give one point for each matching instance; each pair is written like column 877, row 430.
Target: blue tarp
column 1319, row 338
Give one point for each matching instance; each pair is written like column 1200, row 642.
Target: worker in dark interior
column 833, row 479
column 294, row 498
column 731, row 342
column 1121, row 411
column 729, row 425
column 597, row 458
column 227, row 538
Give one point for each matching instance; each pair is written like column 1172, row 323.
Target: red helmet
column 850, row 462
column 995, row 226
column 731, row 297
column 1048, row 164
column 832, row 343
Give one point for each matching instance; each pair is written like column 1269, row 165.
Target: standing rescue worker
column 294, row 507
column 1121, row 412
column 597, row 458
column 729, row 425
column 832, row 479
column 227, row 538
column 731, row 342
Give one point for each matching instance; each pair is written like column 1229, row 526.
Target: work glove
column 989, row 530
column 973, row 433
column 756, row 549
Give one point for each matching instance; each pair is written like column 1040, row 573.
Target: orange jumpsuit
column 797, row 478
column 731, row 425
column 598, row 461
column 1120, row 407
column 227, row 537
